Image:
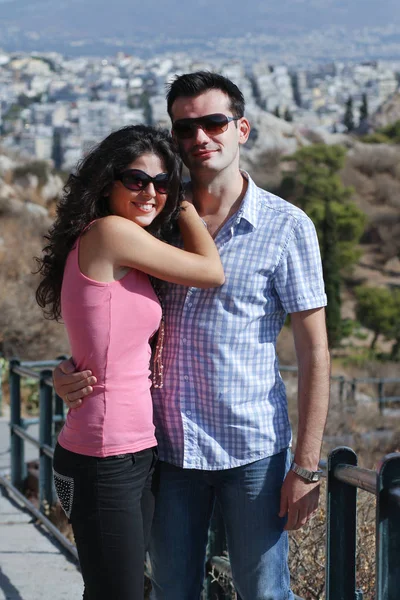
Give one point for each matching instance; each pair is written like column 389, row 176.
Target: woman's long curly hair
column 85, row 199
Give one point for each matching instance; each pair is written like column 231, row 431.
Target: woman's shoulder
column 112, row 225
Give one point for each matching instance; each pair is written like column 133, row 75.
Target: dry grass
column 374, row 159
column 307, row 551
column 23, row 330
column 371, row 436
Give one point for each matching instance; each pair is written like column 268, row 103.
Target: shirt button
column 184, row 340
column 188, row 412
column 186, row 378
column 190, row 304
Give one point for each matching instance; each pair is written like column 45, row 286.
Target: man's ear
column 174, row 137
column 244, row 130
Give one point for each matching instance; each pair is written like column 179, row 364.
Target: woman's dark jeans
column 110, row 504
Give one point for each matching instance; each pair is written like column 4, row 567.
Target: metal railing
column 2, row 362
column 347, row 388
column 343, row 475
column 51, row 415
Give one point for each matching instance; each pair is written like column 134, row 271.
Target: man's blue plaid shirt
column 223, row 403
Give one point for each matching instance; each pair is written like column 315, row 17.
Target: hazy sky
column 197, row 18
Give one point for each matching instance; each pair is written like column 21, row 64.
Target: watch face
column 315, row 477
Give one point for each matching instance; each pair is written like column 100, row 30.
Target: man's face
column 204, row 152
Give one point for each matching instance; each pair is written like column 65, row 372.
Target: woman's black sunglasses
column 185, row 129
column 137, row 180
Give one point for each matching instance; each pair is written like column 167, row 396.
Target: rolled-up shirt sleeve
column 298, row 277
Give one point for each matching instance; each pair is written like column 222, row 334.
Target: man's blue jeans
column 249, row 498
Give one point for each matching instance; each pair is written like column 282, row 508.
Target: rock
column 35, row 209
column 6, row 164
column 11, row 207
column 6, row 191
column 387, row 113
column 272, row 133
column 52, row 188
column 393, row 265
column 27, row 180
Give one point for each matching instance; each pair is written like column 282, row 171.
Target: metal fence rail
column 344, row 477
column 347, row 388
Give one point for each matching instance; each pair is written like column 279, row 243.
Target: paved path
column 33, row 566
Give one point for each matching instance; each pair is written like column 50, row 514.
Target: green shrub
column 39, row 168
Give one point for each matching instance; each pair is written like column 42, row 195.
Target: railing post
column 387, row 530
column 16, row 443
column 59, row 409
column 216, row 547
column 45, row 437
column 1, row 385
column 381, row 401
column 351, row 396
column 341, row 516
column 342, row 381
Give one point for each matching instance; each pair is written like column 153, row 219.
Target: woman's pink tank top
column 109, row 326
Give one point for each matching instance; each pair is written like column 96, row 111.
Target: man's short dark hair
column 193, row 84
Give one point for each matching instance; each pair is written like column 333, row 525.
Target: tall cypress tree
column 316, row 187
column 288, row 115
column 348, row 119
column 331, row 269
column 364, row 108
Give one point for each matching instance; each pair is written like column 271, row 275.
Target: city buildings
column 55, row 108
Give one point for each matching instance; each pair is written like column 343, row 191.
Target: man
column 221, row 417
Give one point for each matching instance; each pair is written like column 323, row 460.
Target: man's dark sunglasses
column 137, row 180
column 185, row 129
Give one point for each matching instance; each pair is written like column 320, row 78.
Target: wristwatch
column 310, row 476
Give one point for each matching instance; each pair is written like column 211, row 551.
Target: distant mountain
column 149, row 20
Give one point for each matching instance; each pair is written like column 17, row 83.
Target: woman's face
column 134, row 196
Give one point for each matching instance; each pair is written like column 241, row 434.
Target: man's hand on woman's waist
column 70, row 385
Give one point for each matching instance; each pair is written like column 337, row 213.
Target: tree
column 348, row 119
column 315, row 186
column 147, row 110
column 331, row 270
column 378, row 309
column 277, row 112
column 392, row 131
column 364, row 109
column 294, row 80
column 316, row 180
column 288, row 116
column 57, row 151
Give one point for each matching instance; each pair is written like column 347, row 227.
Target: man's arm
column 299, row 499
column 72, row 386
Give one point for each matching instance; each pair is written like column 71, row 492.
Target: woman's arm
column 120, row 242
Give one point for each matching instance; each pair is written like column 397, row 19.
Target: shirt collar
column 249, row 208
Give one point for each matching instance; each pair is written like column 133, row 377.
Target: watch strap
column 311, row 476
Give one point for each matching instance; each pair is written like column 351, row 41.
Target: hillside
column 27, row 200
column 28, row 193
column 388, row 113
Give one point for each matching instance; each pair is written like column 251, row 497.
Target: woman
column 103, row 246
